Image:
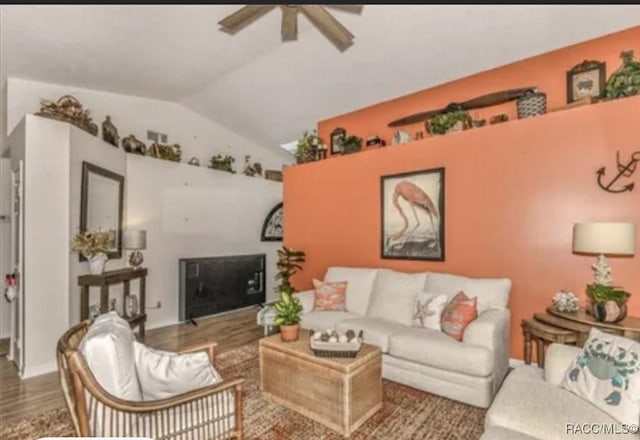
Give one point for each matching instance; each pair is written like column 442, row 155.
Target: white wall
column 192, row 211
column 198, row 136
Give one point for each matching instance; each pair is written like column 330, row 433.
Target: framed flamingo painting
column 413, row 215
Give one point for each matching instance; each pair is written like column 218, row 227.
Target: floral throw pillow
column 607, row 374
column 329, row 296
column 458, row 314
column 427, row 310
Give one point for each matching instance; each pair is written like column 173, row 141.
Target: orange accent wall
column 512, row 191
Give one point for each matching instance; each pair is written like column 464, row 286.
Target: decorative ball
column 333, row 339
column 343, row 338
column 350, row 335
column 324, row 337
column 564, row 301
column 317, row 336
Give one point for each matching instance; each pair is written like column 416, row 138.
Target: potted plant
column 222, row 163
column 93, row 245
column 307, row 147
column 447, row 122
column 288, row 308
column 351, row 144
column 608, row 303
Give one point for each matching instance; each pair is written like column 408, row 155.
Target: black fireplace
column 220, row 284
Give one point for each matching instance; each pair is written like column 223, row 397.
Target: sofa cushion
column 360, row 285
column 458, row 314
column 394, row 295
column 436, row 349
column 108, row 351
column 164, row 374
column 427, row 310
column 492, row 293
column 376, row 331
column 323, row 320
column 527, row 403
column 329, row 296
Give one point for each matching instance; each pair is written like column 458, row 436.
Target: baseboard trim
column 166, row 323
column 513, row 363
column 39, row 370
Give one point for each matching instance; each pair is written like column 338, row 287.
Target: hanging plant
column 445, row 122
column 222, row 163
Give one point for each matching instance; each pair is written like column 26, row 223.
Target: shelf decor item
column 608, row 303
column 131, row 306
column 448, row 122
column 194, row 161
column 531, row 103
column 131, row 144
column 93, row 245
column 272, row 228
column 110, row 132
column 171, row 153
column 275, row 175
column 351, row 144
column 222, row 163
column 586, row 80
column 331, row 343
column 625, row 81
column 565, row 301
column 68, row 109
column 251, row 169
column 307, row 146
column 337, row 136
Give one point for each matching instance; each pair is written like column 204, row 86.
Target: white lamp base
column 602, row 271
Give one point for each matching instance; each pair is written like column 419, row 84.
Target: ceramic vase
column 96, row 263
column 289, row 333
column 608, row 311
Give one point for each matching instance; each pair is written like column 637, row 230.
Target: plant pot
column 608, row 311
column 96, row 263
column 289, row 333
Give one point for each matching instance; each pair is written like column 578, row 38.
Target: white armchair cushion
column 360, row 285
column 557, row 360
column 107, row 349
column 492, row 293
column 165, row 374
column 394, row 295
column 306, row 298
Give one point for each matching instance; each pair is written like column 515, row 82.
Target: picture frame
column 586, row 80
column 272, row 228
column 337, row 136
column 413, row 215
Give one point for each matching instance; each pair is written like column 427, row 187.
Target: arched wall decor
column 272, row 228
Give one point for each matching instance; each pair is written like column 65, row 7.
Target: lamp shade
column 135, row 239
column 605, row 238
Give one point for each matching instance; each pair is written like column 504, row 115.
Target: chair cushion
column 394, row 295
column 108, row 351
column 436, row 349
column 324, row 320
column 606, row 373
column 376, row 331
column 360, row 285
column 492, row 293
column 165, row 374
column 329, row 296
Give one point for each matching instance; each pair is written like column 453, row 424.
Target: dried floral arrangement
column 222, row 162
column 92, row 243
column 564, row 301
column 251, row 169
column 68, row 109
column 166, row 152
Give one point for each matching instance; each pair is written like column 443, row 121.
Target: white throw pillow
column 360, row 285
column 394, row 295
column 165, row 374
column 607, row 374
column 492, row 293
column 427, row 310
column 107, row 349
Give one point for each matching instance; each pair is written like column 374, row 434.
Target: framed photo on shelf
column 337, row 136
column 586, row 80
column 412, row 208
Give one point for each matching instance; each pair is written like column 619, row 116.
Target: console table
column 104, row 281
column 570, row 328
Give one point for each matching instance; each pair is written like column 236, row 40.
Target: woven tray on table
column 336, row 349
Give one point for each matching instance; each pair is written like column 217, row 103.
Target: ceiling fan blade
column 289, row 28
column 354, row 9
column 481, row 101
column 243, row 17
column 495, row 98
column 329, row 26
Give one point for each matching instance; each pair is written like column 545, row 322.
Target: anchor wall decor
column 624, row 170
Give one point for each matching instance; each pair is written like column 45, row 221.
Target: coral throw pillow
column 457, row 315
column 329, row 296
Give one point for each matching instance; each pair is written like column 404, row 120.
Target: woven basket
column 335, row 349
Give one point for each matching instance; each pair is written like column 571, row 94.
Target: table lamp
column 135, row 240
column 604, row 238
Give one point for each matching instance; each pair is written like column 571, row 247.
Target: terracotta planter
column 608, row 311
column 289, row 333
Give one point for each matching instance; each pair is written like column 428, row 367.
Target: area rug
column 406, row 413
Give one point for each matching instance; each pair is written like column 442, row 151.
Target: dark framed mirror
column 101, row 204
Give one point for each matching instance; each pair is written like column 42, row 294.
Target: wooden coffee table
column 340, row 393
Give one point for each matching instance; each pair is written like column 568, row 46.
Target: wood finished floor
column 26, row 398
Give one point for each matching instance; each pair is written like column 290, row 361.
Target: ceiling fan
column 488, row 100
column 317, row 14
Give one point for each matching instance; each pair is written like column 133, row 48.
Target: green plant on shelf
column 599, row 293
column 222, row 162
column 351, row 144
column 307, row 146
column 442, row 123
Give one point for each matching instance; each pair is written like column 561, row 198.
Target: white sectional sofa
column 380, row 302
column 531, row 405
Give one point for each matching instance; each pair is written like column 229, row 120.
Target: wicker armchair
column 212, row 412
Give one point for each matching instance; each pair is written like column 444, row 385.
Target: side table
column 542, row 333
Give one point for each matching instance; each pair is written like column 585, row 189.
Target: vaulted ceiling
column 271, row 91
